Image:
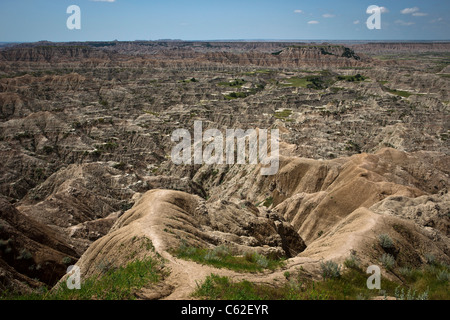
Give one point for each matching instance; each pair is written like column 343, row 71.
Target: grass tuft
column 221, row 257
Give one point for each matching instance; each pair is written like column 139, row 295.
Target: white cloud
column 437, row 20
column 415, row 11
column 298, row 11
column 409, row 10
column 356, row 22
column 404, row 23
column 328, row 15
column 313, row 22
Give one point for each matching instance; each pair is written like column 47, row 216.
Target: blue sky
column 34, row 20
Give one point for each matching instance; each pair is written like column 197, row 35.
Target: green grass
column 336, row 89
column 297, row 82
column 430, row 282
column 237, row 83
column 221, row 257
column 189, row 80
column 429, row 278
column 156, row 114
column 259, row 71
column 348, row 287
column 115, row 284
column 268, row 202
column 400, row 93
column 236, row 95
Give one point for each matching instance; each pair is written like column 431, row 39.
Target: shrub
column 406, row 271
column 211, row 256
column 410, row 295
column 262, row 261
column 385, row 241
column 352, row 262
column 255, row 257
column 330, row 270
column 388, row 261
column 221, row 251
column 249, row 256
column 105, row 265
column 48, row 149
column 443, row 276
column 430, row 259
column 4, row 243
column 119, row 166
column 25, row 254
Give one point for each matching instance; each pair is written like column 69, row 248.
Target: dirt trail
column 185, row 275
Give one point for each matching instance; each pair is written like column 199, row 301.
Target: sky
column 129, row 20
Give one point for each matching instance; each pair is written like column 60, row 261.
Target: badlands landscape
column 87, row 179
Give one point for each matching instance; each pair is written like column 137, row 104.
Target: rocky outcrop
column 50, row 54
column 30, row 252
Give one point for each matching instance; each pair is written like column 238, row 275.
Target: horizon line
column 237, row 40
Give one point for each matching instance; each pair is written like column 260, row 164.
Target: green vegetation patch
column 189, row 80
column 286, row 113
column 221, row 257
column 432, row 278
column 297, row 82
column 116, row 284
column 241, row 95
column 430, row 282
column 400, row 93
column 236, row 95
column 316, row 82
column 237, row 83
column 355, row 78
column 108, row 146
column 268, row 202
column 259, row 71
column 350, row 286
